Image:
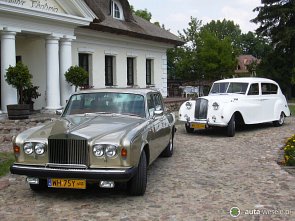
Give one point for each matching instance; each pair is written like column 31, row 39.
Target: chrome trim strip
column 66, row 166
column 107, row 171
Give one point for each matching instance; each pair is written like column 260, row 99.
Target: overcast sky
column 175, row 14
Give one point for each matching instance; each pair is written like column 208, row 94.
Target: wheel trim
column 282, row 118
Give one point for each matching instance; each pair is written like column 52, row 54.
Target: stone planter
column 18, row 111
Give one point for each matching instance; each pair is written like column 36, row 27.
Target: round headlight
column 28, row 148
column 40, row 148
column 215, row 106
column 98, row 150
column 188, row 105
column 111, row 151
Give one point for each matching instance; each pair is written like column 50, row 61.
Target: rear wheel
column 188, row 129
column 231, row 127
column 281, row 121
column 137, row 185
column 39, row 187
column 168, row 151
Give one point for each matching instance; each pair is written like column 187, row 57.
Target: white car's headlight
column 215, row 106
column 188, row 105
column 28, row 148
column 98, row 150
column 111, row 151
column 40, row 148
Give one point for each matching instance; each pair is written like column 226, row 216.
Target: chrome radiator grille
column 68, row 151
column 201, row 108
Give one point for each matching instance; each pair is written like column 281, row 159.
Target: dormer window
column 117, row 10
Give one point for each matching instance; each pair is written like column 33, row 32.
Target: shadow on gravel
column 92, row 191
column 221, row 131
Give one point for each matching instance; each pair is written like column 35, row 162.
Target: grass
column 292, row 109
column 6, row 160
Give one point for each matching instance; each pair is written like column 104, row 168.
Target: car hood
column 223, row 97
column 89, row 127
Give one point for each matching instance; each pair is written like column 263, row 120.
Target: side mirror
column 59, row 112
column 158, row 112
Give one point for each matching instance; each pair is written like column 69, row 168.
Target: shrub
column 20, row 78
column 289, row 150
column 76, row 76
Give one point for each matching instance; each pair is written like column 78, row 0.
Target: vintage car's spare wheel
column 137, row 185
column 281, row 121
column 231, row 127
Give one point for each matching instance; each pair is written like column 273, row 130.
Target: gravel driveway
column 208, row 174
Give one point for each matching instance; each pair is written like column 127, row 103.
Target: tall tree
column 225, row 29
column 277, row 22
column 254, row 45
column 215, row 56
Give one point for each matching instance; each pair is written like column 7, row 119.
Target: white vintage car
column 236, row 101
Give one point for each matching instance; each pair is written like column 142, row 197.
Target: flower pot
column 18, row 111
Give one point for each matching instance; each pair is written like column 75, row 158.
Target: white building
column 117, row 48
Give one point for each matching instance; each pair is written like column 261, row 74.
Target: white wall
column 32, row 50
column 100, row 44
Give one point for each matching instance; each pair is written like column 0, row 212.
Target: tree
column 254, row 45
column 76, row 76
column 277, row 22
column 225, row 29
column 215, row 56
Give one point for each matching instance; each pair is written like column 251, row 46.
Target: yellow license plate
column 198, row 126
column 67, row 183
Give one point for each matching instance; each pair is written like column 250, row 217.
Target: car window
column 219, row 88
column 239, row 88
column 269, row 88
column 106, row 102
column 254, row 89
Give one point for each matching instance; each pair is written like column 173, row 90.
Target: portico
column 24, row 24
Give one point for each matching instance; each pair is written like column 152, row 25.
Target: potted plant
column 19, row 77
column 31, row 93
column 76, row 76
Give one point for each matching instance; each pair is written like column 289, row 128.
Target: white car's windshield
column 106, row 102
column 229, row 87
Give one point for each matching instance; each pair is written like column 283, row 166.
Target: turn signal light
column 16, row 149
column 124, row 152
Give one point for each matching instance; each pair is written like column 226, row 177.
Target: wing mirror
column 158, row 111
column 59, row 112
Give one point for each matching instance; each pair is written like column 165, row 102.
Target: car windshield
column 227, row 87
column 106, row 102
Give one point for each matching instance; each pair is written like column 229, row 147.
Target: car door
column 269, row 96
column 252, row 105
column 158, row 131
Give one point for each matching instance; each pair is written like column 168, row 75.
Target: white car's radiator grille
column 201, row 108
column 67, row 151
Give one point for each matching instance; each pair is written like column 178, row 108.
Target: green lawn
column 6, row 160
column 292, row 109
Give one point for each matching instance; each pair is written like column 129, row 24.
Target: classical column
column 8, row 93
column 65, row 63
column 52, row 73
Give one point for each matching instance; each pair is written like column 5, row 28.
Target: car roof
column 247, row 80
column 141, row 91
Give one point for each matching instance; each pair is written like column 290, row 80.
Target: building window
column 130, row 71
column 149, row 71
column 84, row 63
column 109, row 70
column 117, row 10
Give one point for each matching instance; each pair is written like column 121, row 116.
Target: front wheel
column 281, row 121
column 231, row 127
column 137, row 185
